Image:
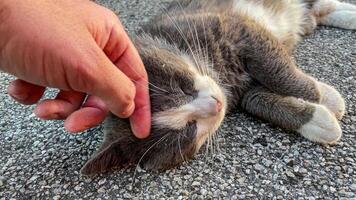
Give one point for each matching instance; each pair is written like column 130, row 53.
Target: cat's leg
column 268, row 62
column 303, row 86
column 313, row 121
column 335, row 13
column 290, row 81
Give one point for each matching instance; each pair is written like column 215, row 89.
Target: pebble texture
column 251, row 159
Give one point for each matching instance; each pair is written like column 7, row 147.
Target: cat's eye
column 189, row 92
column 186, row 85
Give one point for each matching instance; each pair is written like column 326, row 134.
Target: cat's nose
column 218, row 105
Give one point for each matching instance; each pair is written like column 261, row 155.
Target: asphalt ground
column 252, row 159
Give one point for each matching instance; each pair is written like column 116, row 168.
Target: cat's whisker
column 195, row 40
column 225, row 84
column 208, row 66
column 212, row 69
column 151, row 84
column 204, row 67
column 200, row 52
column 206, row 44
column 172, row 98
column 144, row 154
column 211, row 146
column 181, row 34
column 216, row 143
column 155, row 91
column 219, row 72
column 217, row 140
column 203, row 50
column 158, row 87
column 158, row 91
column 180, row 149
column 170, row 83
column 206, row 153
column 136, row 82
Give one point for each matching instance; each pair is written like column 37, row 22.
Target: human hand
column 80, row 48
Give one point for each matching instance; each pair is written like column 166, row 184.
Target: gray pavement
column 40, row 160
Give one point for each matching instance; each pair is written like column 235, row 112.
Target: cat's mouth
column 206, row 127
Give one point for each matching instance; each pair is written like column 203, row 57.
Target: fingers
column 90, row 115
column 61, row 107
column 125, row 56
column 67, row 106
column 24, row 92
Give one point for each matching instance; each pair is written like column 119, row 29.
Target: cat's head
column 188, row 106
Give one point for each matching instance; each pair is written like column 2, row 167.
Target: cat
column 206, row 57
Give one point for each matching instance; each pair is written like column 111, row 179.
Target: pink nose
column 218, row 105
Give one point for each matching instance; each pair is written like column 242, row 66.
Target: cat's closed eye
column 187, row 90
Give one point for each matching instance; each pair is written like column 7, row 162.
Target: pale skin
column 80, row 48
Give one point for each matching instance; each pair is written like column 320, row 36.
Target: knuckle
column 110, row 14
column 110, row 18
column 127, row 103
column 131, row 87
column 83, row 67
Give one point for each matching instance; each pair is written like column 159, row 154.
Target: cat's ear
column 105, row 159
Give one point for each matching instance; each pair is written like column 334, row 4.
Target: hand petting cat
column 80, row 48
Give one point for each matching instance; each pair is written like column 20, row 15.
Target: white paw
column 343, row 19
column 332, row 99
column 323, row 127
column 345, row 6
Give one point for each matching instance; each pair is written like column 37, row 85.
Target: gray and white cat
column 206, row 57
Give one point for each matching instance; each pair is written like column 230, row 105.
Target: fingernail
column 15, row 94
column 43, row 114
column 37, row 111
column 140, row 123
column 70, row 127
column 136, row 130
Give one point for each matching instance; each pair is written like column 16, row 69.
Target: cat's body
column 206, row 57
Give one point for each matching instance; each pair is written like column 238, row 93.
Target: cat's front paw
column 332, row 99
column 348, row 19
column 345, row 19
column 323, row 127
